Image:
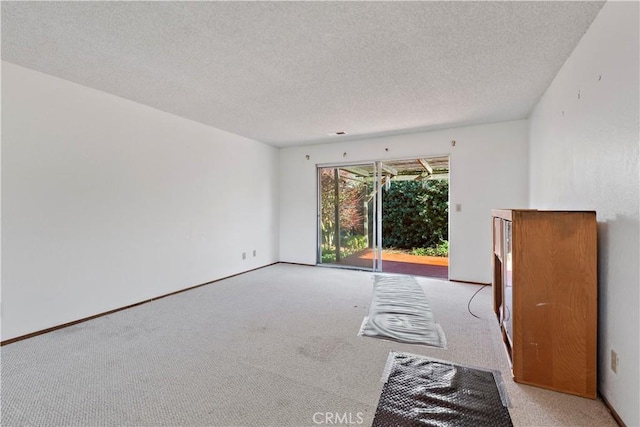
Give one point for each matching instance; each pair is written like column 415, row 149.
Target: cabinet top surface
column 508, row 213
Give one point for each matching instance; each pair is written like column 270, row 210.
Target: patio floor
column 393, row 262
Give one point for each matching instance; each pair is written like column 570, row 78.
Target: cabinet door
column 497, row 268
column 497, row 237
column 507, row 280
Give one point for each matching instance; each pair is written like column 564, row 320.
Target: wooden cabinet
column 545, row 296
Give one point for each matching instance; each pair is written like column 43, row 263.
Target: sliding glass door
column 416, row 215
column 349, row 216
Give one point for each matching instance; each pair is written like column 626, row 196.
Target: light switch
column 458, row 207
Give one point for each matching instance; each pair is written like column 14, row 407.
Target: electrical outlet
column 614, row 361
column 244, row 255
column 254, row 252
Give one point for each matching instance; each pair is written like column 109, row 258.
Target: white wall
column 488, row 170
column 588, row 159
column 106, row 202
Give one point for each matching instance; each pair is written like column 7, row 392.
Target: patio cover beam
column 426, row 166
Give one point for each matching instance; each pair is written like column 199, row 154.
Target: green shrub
column 415, row 214
column 328, row 257
column 441, row 249
column 422, row 251
column 355, row 242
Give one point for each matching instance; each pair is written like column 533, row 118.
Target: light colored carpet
column 275, row 346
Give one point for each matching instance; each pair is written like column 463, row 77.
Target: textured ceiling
column 288, row 73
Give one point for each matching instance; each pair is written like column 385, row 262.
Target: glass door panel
column 347, row 220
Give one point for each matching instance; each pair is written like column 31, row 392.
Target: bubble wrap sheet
column 400, row 312
column 420, row 391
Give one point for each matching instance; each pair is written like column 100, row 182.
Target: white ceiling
column 288, row 73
